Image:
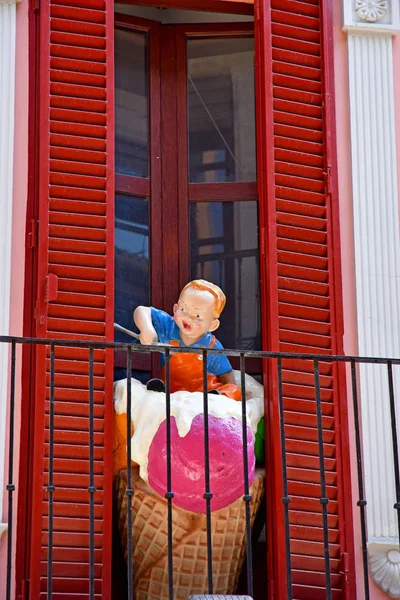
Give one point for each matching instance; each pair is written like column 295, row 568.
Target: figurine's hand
column 148, row 336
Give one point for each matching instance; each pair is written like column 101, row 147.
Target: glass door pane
column 131, row 103
column 132, row 268
column 224, row 250
column 221, row 110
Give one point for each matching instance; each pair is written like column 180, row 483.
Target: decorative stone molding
column 7, row 87
column 3, row 529
column 384, row 565
column 370, row 25
column 371, row 10
column 374, row 17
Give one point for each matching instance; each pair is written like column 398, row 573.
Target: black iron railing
column 278, row 358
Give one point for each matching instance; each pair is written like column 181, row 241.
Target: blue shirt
column 168, row 330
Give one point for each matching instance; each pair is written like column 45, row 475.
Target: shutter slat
column 62, row 509
column 297, row 8
column 308, row 196
column 78, row 142
column 305, row 377
column 286, row 118
column 313, row 533
column 303, row 260
column 78, row 246
column 296, row 58
column 288, row 43
column 63, row 205
column 75, row 52
column 80, row 67
column 287, row 206
column 302, row 247
column 70, row 90
column 308, row 420
column 78, row 233
column 92, row 4
column 307, row 406
column 61, row 569
column 296, row 108
column 91, row 314
column 309, row 462
column 296, row 20
column 83, row 42
column 80, row 78
column 296, row 95
column 86, row 28
column 298, row 311
column 75, row 367
column 279, row 28
column 301, row 503
column 302, row 71
column 96, row 16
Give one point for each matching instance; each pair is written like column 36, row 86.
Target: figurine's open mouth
column 186, row 326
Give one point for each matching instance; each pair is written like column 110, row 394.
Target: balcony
column 78, row 482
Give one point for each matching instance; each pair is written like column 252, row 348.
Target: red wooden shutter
column 300, row 285
column 75, row 298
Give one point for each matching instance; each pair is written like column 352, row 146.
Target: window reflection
column 131, row 103
column 131, row 259
column 221, row 110
column 224, row 250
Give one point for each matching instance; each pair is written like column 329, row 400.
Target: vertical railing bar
column 169, row 495
column 129, row 491
column 362, row 503
column 286, row 498
column 91, row 488
column 207, row 495
column 323, row 500
column 51, row 487
column 394, row 442
column 11, row 485
column 247, row 497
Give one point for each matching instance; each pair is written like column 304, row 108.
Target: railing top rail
column 96, row 344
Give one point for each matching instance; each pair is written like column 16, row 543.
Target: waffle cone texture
column 189, row 542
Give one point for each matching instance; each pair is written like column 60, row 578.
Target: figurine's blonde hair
column 219, row 296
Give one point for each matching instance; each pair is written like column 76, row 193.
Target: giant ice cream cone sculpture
column 150, row 509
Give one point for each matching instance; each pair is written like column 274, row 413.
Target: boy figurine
column 195, row 318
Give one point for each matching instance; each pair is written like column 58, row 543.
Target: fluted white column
column 7, row 87
column 371, row 25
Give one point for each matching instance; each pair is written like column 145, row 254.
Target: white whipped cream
column 148, row 411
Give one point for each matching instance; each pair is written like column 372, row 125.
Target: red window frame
column 149, row 188
column 168, row 187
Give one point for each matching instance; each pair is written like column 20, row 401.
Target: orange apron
column 186, row 373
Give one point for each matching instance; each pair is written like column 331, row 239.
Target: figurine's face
column 194, row 314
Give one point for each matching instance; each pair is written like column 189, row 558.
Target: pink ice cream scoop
column 188, row 480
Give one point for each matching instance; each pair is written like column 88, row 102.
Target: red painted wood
column 216, row 29
column 268, row 273
column 184, row 187
column 75, row 258
column 135, row 186
column 302, row 287
column 341, row 406
column 222, row 191
column 245, row 7
column 25, row 485
column 149, row 188
column 169, row 143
